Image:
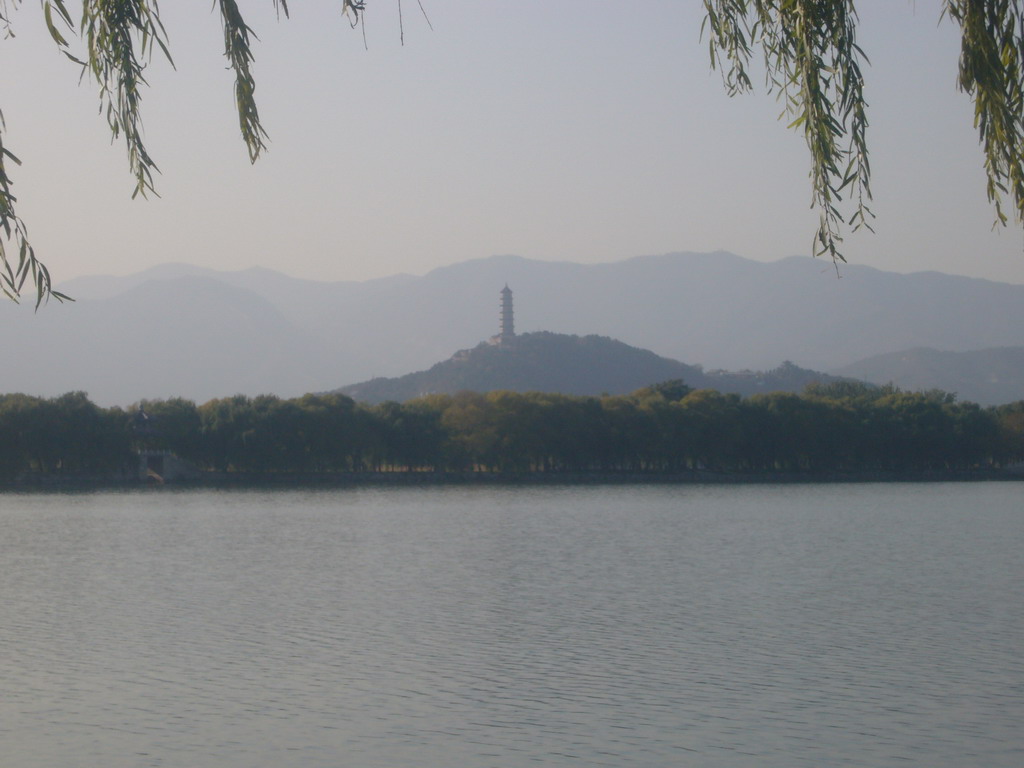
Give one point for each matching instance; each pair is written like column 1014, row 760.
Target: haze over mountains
column 987, row 376
column 180, row 330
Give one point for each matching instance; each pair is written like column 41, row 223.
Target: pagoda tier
column 507, row 326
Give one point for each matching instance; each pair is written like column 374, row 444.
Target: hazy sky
column 577, row 130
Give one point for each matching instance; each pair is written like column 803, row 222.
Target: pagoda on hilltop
column 507, row 330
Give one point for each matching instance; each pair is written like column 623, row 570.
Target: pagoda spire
column 507, row 327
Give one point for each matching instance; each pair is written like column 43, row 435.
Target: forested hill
column 571, row 365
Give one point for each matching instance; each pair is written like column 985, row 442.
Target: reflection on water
column 860, row 625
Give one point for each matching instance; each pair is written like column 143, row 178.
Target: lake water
column 817, row 625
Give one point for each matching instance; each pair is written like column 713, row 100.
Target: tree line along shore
column 659, row 431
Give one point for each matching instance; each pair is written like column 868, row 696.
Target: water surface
column 839, row 625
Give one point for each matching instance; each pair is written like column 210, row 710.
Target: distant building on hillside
column 507, row 328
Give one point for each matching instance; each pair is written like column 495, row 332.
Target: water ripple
column 506, row 628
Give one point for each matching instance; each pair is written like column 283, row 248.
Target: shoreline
column 287, row 480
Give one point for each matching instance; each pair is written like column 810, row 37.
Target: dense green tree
column 24, row 429
column 314, row 433
column 67, row 435
column 573, row 432
column 223, row 421
column 333, row 432
column 517, row 421
column 843, row 390
column 1009, row 421
column 715, row 427
column 671, row 390
column 172, row 424
column 87, row 438
column 410, row 434
column 788, row 432
column 975, row 436
column 882, row 430
column 473, row 436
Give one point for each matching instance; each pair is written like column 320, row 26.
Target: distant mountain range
column 572, row 365
column 985, row 376
column 180, row 330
